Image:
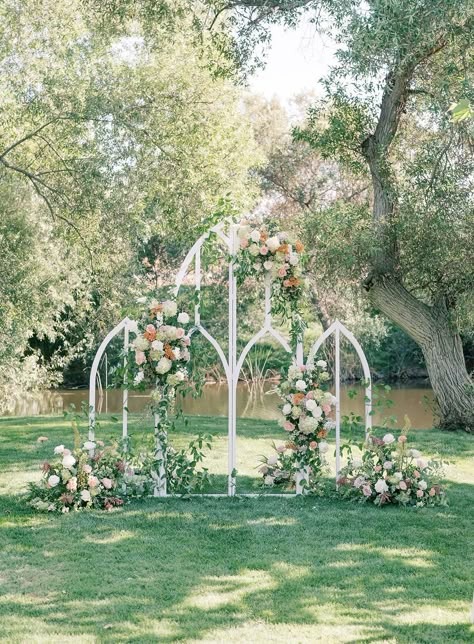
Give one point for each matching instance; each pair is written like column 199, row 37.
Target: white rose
column 388, row 438
column 269, row 480
column 255, row 236
column 323, row 447
column 68, row 461
column 422, row 485
column 170, row 308
column 139, row 378
column 294, row 259
column 311, row 404
column 163, row 366
column 273, row 244
column 157, row 345
column 53, row 480
column 300, row 385
column 322, row 364
column 89, row 445
column 254, row 250
column 398, row 476
column 381, row 486
column 286, row 409
column 59, row 449
column 272, row 460
column 180, row 376
column 183, row 318
column 133, row 326
column 85, row 495
column 268, row 265
column 414, row 453
column 317, row 412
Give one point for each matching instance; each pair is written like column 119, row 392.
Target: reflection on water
column 251, row 402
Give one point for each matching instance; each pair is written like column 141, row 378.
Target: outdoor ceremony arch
column 232, row 363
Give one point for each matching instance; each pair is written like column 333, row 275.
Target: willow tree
column 401, row 65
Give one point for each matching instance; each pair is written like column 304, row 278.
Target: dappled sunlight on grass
column 211, row 570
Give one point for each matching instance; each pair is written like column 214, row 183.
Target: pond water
column 252, row 402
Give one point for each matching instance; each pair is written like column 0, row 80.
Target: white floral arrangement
column 305, row 413
column 391, row 473
column 277, row 255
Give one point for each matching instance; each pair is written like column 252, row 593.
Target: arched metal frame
column 232, row 363
column 337, row 328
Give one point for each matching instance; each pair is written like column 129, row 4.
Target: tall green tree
column 110, row 133
column 401, row 65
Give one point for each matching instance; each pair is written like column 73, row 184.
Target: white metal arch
column 337, row 328
column 125, row 326
column 232, row 363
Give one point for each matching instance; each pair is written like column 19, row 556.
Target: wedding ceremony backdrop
column 232, row 362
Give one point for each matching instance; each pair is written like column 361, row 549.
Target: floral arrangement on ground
column 305, row 408
column 90, row 476
column 390, row 472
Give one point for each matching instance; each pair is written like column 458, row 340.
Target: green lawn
column 234, row 570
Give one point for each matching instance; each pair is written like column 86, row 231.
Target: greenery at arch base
column 93, row 475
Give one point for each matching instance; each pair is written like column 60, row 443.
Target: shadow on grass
column 179, row 570
column 299, row 569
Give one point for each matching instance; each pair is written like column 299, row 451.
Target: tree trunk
column 441, row 346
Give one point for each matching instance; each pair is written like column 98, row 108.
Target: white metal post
column 338, row 402
column 160, row 485
column 126, row 338
column 232, row 360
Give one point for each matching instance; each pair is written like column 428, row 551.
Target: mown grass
column 233, row 570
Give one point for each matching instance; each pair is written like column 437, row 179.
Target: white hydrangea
column 163, row 366
column 322, row 364
column 139, row 378
column 243, row 231
column 157, row 345
column 294, row 373
column 295, row 411
column 294, row 259
column 140, row 343
column 308, row 424
column 323, row 447
column 170, row 308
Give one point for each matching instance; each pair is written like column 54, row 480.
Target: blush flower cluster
column 305, row 418
column 390, row 472
column 75, row 480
